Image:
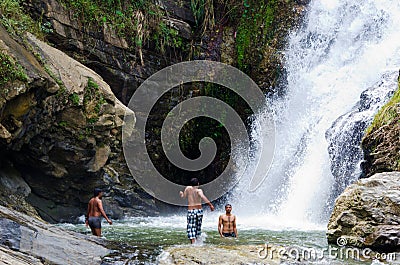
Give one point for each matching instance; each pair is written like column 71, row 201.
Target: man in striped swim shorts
column 195, row 210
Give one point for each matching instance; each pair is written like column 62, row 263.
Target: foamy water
column 344, row 48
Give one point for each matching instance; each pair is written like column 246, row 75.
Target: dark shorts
column 232, row 234
column 194, row 220
column 95, row 222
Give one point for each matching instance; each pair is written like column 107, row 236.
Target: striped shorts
column 194, row 219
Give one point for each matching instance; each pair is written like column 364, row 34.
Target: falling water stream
column 345, row 49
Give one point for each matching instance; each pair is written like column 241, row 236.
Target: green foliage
column 131, row 19
column 92, row 101
column 167, row 36
column 63, row 123
column 16, row 22
column 387, row 114
column 74, row 98
column 256, row 29
column 10, row 70
column 46, row 28
column 203, row 12
column 92, row 120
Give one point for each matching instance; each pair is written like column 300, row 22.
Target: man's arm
column 100, row 204
column 234, row 227
column 220, row 226
column 87, row 214
column 183, row 194
column 204, row 198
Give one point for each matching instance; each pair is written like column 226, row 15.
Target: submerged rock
column 367, row 214
column 27, row 240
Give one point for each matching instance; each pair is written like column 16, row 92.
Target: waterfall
column 343, row 49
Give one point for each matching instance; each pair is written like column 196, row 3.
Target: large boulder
column 367, row 213
column 61, row 131
column 27, row 240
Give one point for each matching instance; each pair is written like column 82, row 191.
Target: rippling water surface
column 149, row 236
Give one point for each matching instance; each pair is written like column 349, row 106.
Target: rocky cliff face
column 61, row 137
column 381, row 142
column 367, row 214
column 60, row 125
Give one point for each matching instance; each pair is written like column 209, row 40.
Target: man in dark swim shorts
column 95, row 222
column 227, row 223
column 94, row 213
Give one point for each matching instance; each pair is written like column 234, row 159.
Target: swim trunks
column 95, row 222
column 231, row 234
column 194, row 219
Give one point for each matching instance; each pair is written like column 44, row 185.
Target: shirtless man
column 94, row 213
column 195, row 211
column 227, row 223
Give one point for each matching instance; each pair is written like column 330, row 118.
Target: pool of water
column 149, row 236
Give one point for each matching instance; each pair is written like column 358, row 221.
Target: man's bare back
column 194, row 218
column 93, row 207
column 194, row 196
column 94, row 212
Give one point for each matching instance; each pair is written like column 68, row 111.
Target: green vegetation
column 10, row 70
column 167, row 36
column 387, row 114
column 92, row 101
column 256, row 29
column 137, row 21
column 16, row 22
column 203, row 12
column 74, row 98
column 63, row 123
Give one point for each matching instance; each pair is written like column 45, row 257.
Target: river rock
column 367, row 213
column 27, row 240
column 222, row 255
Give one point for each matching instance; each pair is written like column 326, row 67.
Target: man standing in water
column 227, row 223
column 94, row 213
column 195, row 210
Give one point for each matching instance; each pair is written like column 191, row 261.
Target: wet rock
column 381, row 141
column 27, row 240
column 223, row 255
column 347, row 131
column 8, row 256
column 367, row 213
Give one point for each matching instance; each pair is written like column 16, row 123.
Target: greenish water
column 148, row 236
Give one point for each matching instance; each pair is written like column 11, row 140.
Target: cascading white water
column 343, row 48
